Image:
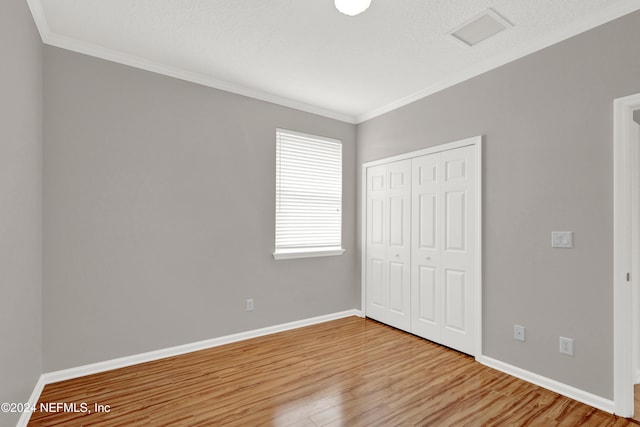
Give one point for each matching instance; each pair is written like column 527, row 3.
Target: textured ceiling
column 307, row 55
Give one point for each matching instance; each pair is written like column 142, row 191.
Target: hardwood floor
column 348, row 372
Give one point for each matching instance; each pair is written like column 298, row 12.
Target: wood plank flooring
column 348, row 372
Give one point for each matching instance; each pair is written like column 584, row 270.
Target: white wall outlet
column 566, row 346
column 518, row 332
column 249, row 305
column 562, row 239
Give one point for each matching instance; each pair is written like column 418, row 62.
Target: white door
column 376, row 243
column 458, row 249
column 389, row 243
column 399, row 245
column 443, row 258
column 426, row 291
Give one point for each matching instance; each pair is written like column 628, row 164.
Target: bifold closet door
column 388, row 252
column 443, row 249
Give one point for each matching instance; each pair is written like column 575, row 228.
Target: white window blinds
column 308, row 195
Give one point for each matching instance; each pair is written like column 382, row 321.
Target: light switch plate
column 562, row 239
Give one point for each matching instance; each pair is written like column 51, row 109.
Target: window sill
column 307, row 253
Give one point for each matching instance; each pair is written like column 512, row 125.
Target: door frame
column 625, row 168
column 635, row 249
column 475, row 141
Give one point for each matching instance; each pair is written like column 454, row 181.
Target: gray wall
column 547, row 123
column 636, row 116
column 159, row 214
column 20, row 205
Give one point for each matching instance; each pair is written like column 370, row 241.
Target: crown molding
column 605, row 15
column 37, row 11
column 51, row 38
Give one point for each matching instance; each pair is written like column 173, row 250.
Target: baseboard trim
column 107, row 365
column 553, row 385
column 33, row 401
column 94, row 368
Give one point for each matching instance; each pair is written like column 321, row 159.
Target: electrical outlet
column 249, row 305
column 518, row 332
column 562, row 239
column 566, row 346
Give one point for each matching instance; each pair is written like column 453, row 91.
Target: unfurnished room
column 319, row 213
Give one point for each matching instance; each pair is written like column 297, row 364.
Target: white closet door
column 389, row 244
column 376, row 269
column 443, row 270
column 399, row 245
column 420, row 273
column 426, row 289
column 458, row 233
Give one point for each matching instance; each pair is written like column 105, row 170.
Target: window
column 308, row 195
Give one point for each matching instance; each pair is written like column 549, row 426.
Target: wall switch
column 518, row 332
column 562, row 239
column 566, row 346
column 249, row 306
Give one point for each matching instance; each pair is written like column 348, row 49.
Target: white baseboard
column 94, row 368
column 553, row 385
column 33, row 401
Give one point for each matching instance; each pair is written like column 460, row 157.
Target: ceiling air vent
column 480, row 28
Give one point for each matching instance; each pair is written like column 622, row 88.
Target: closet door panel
column 454, row 216
column 426, row 208
column 375, row 285
column 426, row 310
column 454, row 300
column 457, row 255
column 376, row 241
column 426, row 307
column 398, row 251
column 397, row 222
column 397, row 287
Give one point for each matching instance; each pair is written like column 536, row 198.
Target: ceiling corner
column 79, row 46
column 39, row 17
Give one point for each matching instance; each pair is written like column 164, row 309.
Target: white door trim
column 623, row 170
column 473, row 141
column 635, row 249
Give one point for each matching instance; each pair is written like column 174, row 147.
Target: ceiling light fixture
column 352, row 7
